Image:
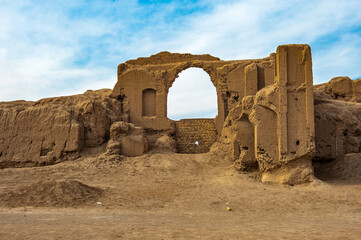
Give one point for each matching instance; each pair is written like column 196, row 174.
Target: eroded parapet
column 283, row 117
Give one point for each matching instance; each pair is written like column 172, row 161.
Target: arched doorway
column 192, row 103
column 192, row 95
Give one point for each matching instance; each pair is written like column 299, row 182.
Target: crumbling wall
column 280, row 139
column 195, row 135
column 127, row 140
column 337, row 119
column 54, row 129
column 237, row 138
column 283, row 116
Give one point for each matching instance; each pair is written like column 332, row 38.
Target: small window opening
column 196, row 143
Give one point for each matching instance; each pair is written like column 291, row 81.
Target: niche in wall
column 149, row 102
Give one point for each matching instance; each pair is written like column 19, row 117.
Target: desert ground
column 163, row 195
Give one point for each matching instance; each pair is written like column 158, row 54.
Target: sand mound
column 52, row 193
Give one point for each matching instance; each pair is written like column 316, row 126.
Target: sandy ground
column 179, row 196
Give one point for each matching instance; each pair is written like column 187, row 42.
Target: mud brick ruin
column 270, row 101
column 267, row 112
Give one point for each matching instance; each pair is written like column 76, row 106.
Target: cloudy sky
column 52, row 48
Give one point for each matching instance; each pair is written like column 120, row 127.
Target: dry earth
column 176, row 196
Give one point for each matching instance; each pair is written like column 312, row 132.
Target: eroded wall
column 55, row 129
column 337, row 118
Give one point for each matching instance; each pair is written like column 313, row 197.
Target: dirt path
column 178, row 196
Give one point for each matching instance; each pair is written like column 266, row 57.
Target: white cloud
column 341, row 59
column 41, row 43
column 254, row 28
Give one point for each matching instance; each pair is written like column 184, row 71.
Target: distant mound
column 52, row 193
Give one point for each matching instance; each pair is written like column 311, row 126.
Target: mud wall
column 54, row 129
column 195, row 135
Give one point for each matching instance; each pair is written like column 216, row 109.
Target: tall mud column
column 283, row 116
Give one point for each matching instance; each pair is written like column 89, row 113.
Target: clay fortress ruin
column 270, row 117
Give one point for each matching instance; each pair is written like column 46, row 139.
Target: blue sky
column 53, row 48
